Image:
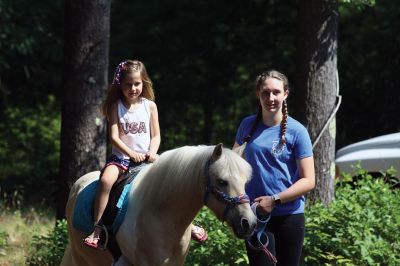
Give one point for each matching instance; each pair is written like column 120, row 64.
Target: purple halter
column 220, row 195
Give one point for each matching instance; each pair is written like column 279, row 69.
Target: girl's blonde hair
column 125, row 68
column 280, row 76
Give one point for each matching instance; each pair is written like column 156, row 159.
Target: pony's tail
column 240, row 149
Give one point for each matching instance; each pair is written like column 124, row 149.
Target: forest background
column 203, row 57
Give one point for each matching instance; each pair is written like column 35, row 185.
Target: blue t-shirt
column 274, row 165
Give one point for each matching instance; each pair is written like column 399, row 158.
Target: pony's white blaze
column 238, row 173
column 163, row 202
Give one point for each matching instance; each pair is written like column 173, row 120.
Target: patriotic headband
column 118, row 72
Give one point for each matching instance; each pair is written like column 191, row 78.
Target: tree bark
column 316, row 86
column 83, row 128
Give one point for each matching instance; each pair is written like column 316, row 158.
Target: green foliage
column 3, row 241
column 221, row 249
column 14, row 37
column 17, row 225
column 360, row 3
column 48, row 250
column 31, row 51
column 29, row 147
column 359, row 228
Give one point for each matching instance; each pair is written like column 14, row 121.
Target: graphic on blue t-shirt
column 277, row 148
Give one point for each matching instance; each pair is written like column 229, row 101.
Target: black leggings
column 286, row 236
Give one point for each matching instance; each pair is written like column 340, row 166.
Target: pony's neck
column 174, row 186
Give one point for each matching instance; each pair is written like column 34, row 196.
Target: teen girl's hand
column 151, row 157
column 138, row 157
column 265, row 204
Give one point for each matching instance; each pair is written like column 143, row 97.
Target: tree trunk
column 83, row 128
column 316, row 86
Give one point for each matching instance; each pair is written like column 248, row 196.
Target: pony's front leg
column 159, row 249
column 123, row 261
column 177, row 254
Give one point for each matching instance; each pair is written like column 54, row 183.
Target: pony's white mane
column 182, row 169
column 167, row 174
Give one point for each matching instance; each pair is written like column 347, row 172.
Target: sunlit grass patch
column 17, row 229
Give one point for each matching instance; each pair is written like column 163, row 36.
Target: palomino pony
column 164, row 199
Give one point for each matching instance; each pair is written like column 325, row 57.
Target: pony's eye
column 221, row 182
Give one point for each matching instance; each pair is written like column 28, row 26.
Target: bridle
column 221, row 196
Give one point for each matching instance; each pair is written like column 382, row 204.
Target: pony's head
column 226, row 174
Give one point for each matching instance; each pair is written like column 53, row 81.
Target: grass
column 17, row 226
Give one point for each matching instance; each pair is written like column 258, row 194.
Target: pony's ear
column 217, row 152
column 240, row 149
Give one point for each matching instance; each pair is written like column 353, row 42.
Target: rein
column 221, row 196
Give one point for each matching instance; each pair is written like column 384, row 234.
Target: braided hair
column 259, row 82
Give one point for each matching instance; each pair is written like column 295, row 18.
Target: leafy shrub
column 360, row 227
column 48, row 250
column 221, row 249
column 29, row 147
column 3, row 240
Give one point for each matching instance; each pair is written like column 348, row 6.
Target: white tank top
column 134, row 128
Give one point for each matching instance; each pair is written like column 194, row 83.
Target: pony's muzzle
column 247, row 226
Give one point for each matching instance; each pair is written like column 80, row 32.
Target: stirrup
column 103, row 231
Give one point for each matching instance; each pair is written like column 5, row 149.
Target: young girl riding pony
column 134, row 133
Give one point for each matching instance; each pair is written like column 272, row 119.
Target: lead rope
column 259, row 234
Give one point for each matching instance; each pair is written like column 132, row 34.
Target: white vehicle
column 374, row 155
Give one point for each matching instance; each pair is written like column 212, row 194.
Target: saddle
column 117, row 195
column 115, row 210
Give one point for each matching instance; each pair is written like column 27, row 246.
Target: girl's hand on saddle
column 138, row 157
column 151, row 157
column 265, row 204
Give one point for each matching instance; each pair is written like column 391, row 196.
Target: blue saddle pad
column 83, row 217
